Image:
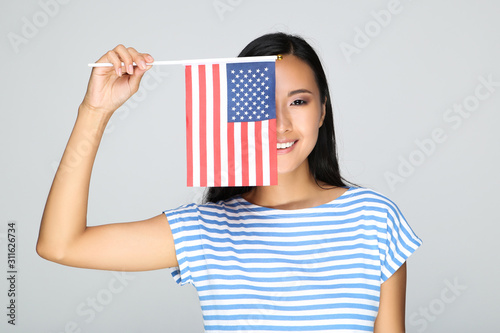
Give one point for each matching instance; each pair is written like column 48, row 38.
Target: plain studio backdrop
column 415, row 86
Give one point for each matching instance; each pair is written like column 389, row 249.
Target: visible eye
column 298, row 102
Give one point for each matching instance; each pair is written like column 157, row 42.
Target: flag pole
column 199, row 61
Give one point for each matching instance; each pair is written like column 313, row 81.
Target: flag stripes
column 219, row 152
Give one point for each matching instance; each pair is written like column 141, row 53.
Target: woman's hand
column 64, row 236
column 110, row 87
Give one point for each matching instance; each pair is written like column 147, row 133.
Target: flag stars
column 244, row 91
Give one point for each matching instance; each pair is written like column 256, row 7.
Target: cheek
column 309, row 122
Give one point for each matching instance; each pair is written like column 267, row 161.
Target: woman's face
column 299, row 112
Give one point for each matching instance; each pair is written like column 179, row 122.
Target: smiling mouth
column 285, row 145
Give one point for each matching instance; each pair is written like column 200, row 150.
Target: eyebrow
column 298, row 91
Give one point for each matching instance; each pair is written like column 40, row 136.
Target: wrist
column 94, row 118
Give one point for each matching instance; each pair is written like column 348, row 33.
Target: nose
column 283, row 123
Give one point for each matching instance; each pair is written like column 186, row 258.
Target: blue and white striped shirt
column 315, row 269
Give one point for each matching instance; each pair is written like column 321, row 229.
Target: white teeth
column 285, row 145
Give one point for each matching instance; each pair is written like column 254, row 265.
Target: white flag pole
column 198, row 61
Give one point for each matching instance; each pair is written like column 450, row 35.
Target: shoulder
column 232, row 206
column 370, row 197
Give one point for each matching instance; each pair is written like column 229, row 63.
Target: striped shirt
column 315, row 269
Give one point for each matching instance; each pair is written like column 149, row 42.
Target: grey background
column 394, row 91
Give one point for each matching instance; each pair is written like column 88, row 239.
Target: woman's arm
column 391, row 312
column 64, row 236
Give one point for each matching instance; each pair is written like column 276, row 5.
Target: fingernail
column 120, row 71
column 142, row 64
column 130, row 69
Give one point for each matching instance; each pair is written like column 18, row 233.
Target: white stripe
column 223, row 125
column 237, row 155
column 333, row 274
column 265, row 153
column 210, row 125
column 195, row 88
column 252, row 176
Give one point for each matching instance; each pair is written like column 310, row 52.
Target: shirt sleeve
column 399, row 243
column 185, row 226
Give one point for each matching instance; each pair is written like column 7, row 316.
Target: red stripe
column 203, row 125
column 230, row 154
column 273, row 158
column 217, row 157
column 189, row 126
column 244, row 154
column 258, row 154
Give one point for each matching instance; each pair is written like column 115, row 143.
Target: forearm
column 65, row 214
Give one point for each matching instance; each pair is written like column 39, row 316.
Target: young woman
column 310, row 254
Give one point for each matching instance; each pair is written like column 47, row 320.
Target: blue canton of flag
column 250, row 92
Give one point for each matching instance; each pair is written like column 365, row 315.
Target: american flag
column 231, row 124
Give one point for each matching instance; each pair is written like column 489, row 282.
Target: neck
column 295, row 190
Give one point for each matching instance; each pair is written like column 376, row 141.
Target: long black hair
column 323, row 162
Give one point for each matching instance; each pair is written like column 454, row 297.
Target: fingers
column 120, row 54
column 113, row 58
